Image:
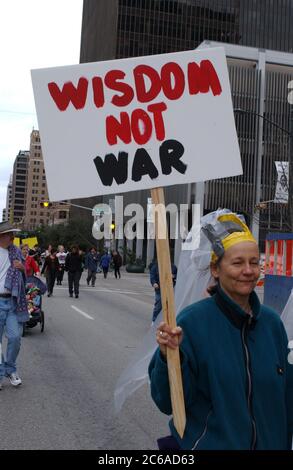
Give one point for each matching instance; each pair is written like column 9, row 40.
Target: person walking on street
column 91, row 264
column 155, row 282
column 117, row 261
column 13, row 306
column 31, row 266
column 36, row 253
column 61, row 255
column 50, row 269
column 82, row 256
column 48, row 250
column 105, row 263
column 73, row 265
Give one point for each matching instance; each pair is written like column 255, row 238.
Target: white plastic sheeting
column 287, row 317
column 193, row 278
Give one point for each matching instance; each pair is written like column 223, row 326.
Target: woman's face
column 238, row 270
column 24, row 251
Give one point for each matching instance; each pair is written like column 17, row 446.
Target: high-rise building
column 127, row 28
column 113, row 29
column 37, row 190
column 37, row 213
column 6, row 211
column 19, row 186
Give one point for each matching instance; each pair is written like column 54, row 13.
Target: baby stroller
column 34, row 289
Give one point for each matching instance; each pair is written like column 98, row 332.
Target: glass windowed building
column 113, row 29
column 129, row 28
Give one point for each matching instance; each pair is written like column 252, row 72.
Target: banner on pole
column 282, row 187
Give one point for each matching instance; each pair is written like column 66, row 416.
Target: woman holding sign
column 238, row 383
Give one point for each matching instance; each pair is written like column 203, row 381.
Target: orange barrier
column 279, row 252
column 278, row 270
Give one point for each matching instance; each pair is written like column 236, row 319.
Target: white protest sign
column 137, row 123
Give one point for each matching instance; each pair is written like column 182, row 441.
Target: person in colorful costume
column 13, row 306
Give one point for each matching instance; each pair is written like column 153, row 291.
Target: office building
column 113, row 29
column 19, row 187
column 7, row 209
column 36, row 214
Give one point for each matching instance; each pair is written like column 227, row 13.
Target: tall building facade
column 36, row 214
column 19, row 186
column 7, row 209
column 128, row 28
column 37, row 190
column 113, row 29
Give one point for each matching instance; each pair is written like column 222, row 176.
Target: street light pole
column 76, row 205
column 247, row 111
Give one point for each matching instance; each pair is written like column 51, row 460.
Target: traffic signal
column 45, row 204
column 112, row 226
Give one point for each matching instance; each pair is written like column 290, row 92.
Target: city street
column 152, row 134
column 69, row 372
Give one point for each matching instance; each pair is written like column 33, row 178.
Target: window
column 62, row 214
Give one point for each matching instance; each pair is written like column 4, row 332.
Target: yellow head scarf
column 235, row 237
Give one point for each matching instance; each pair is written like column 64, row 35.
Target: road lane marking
column 82, row 313
column 118, row 291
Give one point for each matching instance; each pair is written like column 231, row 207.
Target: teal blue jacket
column 238, row 384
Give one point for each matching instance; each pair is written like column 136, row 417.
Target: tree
column 74, row 232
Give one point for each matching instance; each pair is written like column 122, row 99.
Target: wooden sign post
column 168, row 306
column 134, row 124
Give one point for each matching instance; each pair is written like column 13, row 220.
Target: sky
column 33, row 34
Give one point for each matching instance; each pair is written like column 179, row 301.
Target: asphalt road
column 69, row 373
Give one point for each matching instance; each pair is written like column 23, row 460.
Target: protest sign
column 138, row 123
column 31, row 242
